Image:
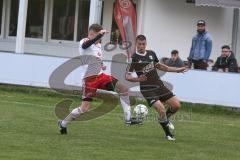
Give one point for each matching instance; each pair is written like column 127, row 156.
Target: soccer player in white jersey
column 91, row 46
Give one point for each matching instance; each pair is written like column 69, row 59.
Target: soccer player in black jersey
column 145, row 63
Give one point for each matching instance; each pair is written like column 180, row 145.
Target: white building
column 54, row 27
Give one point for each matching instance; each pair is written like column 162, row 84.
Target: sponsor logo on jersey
column 148, row 68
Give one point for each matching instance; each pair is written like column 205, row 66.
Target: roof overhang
column 219, row 3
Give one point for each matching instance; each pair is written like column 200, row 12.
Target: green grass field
column 28, row 131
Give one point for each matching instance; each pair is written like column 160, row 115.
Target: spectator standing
column 201, row 47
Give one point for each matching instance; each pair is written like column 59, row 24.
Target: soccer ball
column 140, row 111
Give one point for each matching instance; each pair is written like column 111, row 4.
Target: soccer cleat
column 170, row 138
column 134, row 121
column 170, row 125
column 62, row 130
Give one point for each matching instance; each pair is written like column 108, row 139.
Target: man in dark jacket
column 227, row 61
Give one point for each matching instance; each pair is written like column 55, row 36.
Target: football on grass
column 141, row 111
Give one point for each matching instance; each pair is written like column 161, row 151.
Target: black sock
column 165, row 128
column 169, row 112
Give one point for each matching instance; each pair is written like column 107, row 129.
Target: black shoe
column 134, row 121
column 62, row 130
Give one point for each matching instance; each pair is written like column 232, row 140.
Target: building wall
column 42, row 48
column 44, row 71
column 170, row 24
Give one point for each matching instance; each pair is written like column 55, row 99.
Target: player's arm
column 129, row 71
column 130, row 78
column 89, row 42
column 166, row 68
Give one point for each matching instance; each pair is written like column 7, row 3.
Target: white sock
column 125, row 103
column 72, row 116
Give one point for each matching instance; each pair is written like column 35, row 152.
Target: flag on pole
column 125, row 17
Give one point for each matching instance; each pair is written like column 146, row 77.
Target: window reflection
column 63, row 19
column 83, row 19
column 35, row 18
column 13, row 18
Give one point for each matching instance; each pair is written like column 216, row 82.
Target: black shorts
column 155, row 91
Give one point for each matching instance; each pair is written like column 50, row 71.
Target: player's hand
column 103, row 31
column 205, row 60
column 158, row 66
column 142, row 78
column 182, row 70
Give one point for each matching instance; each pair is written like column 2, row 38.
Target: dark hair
column 141, row 38
column 226, row 47
column 95, row 27
column 174, row 52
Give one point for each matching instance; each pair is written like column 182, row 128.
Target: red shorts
column 91, row 84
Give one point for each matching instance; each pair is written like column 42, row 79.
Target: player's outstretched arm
column 89, row 42
column 130, row 78
column 166, row 68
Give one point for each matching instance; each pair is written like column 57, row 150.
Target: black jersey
column 153, row 89
column 145, row 64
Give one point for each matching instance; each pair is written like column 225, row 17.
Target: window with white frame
column 65, row 20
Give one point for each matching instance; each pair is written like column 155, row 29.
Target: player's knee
column 176, row 105
column 160, row 110
column 90, row 95
column 85, row 106
column 123, row 91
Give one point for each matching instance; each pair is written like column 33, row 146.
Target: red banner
column 125, row 17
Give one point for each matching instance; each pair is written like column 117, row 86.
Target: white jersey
column 94, row 49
